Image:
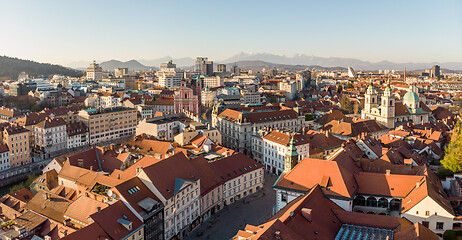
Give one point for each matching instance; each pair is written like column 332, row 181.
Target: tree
column 356, row 108
column 339, row 89
column 349, row 86
column 452, row 160
column 345, row 104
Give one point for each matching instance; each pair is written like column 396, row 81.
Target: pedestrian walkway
column 254, row 209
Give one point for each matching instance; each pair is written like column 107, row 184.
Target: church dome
column 411, row 97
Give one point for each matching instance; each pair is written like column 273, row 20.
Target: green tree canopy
column 452, row 160
column 345, row 104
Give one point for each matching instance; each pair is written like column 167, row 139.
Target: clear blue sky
column 69, row 31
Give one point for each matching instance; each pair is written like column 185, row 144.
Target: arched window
column 383, row 203
column 395, row 205
column 371, row 202
column 359, row 201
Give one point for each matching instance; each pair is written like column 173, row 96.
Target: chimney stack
column 80, row 162
column 388, row 171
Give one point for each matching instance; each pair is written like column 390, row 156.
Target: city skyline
column 63, row 33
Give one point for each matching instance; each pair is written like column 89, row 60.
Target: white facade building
column 4, row 157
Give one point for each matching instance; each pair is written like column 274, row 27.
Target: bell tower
column 370, row 98
column 291, row 158
column 388, row 106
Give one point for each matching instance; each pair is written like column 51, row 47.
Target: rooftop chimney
column 80, row 162
column 417, row 184
column 388, row 171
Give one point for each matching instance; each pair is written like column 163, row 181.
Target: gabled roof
column 233, row 166
column 379, row 184
column 92, row 231
column 97, row 159
column 431, row 187
column 163, row 174
column 82, row 208
column 134, row 192
column 310, row 172
column 50, row 123
column 314, row 216
column 49, row 205
column 109, row 220
column 209, row 178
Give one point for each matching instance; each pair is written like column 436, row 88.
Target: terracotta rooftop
column 335, row 179
column 163, row 174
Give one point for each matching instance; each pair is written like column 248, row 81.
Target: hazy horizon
column 64, row 33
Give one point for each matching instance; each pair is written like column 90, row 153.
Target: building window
column 426, row 224
column 439, row 225
column 283, row 197
column 427, row 213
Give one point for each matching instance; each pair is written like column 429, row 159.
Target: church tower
column 291, row 158
column 388, row 106
column 370, row 98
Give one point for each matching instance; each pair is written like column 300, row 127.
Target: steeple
column 388, row 88
column 291, row 158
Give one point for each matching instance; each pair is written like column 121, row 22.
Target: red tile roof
column 163, row 173
column 108, row 220
column 235, row 165
column 309, row 172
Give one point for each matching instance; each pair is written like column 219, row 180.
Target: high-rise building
column 221, row 68
column 169, row 76
column 119, row 72
column 203, row 66
column 435, row 71
column 94, row 72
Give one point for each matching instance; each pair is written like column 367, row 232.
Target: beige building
column 94, row 72
column 242, row 176
column 17, row 139
column 109, row 124
column 177, row 185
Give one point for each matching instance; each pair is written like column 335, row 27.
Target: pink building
column 188, row 99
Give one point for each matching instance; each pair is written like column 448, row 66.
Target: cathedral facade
column 390, row 113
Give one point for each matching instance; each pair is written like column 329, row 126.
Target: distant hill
column 131, row 65
column 12, row 67
column 301, row 59
column 258, row 65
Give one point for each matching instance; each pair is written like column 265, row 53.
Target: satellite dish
column 113, row 195
column 109, row 193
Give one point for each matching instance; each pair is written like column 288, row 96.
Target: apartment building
column 17, row 139
column 109, row 123
column 177, row 185
column 77, row 134
column 238, row 124
column 211, row 82
column 169, row 76
column 165, row 105
column 4, row 157
column 50, row 136
column 162, row 128
column 241, row 176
